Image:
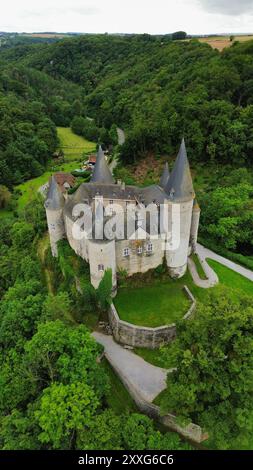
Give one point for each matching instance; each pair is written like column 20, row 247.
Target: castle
column 104, row 197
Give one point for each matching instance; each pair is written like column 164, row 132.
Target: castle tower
column 165, row 176
column 101, row 172
column 54, row 211
column 194, row 226
column 102, row 256
column 180, row 191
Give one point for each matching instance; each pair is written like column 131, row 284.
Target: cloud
column 228, row 7
column 81, row 10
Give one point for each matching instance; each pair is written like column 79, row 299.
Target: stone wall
column 139, row 263
column 141, row 336
column 191, row 431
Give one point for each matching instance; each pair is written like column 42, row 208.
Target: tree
column 104, row 290
column 58, row 353
column 179, row 35
column 64, row 410
column 104, row 432
column 212, row 382
column 58, row 307
column 5, row 197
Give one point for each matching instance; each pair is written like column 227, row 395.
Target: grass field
column 74, row 146
column 156, row 304
column 221, row 42
column 30, row 188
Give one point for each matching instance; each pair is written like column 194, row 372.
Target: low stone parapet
column 142, row 336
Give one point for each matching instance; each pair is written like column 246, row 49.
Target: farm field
column 221, row 42
column 77, row 146
column 74, row 146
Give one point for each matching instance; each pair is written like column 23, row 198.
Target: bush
column 220, row 250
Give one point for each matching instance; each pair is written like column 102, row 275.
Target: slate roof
column 55, row 199
column 101, row 172
column 165, row 176
column 179, row 186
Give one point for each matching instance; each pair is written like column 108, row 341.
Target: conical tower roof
column 101, row 172
column 55, row 199
column 165, row 176
column 180, row 186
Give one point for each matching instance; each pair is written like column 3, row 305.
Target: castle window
column 139, row 250
column 111, row 201
column 149, row 248
column 101, row 267
column 126, row 252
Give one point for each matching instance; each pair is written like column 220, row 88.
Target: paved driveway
column 206, row 253
column 145, row 378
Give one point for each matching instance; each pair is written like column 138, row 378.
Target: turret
column 165, row 176
column 54, row 210
column 180, row 193
column 101, row 172
column 194, row 226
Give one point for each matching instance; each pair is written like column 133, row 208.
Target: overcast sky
column 139, row 16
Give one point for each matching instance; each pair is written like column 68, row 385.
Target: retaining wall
column 191, row 431
column 142, row 336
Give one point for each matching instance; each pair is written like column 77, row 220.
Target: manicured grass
column 237, row 284
column 118, row 398
column 199, row 267
column 74, row 146
column 232, row 279
column 156, row 304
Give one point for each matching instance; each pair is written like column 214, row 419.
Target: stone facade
column 141, row 251
column 145, row 337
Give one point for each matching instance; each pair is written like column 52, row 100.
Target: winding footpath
column 121, row 141
column 205, row 253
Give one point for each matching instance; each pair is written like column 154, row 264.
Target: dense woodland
column 53, row 393
column 154, row 88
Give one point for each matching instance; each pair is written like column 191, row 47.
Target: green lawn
column 199, row 267
column 237, row 284
column 231, row 279
column 155, row 304
column 74, row 146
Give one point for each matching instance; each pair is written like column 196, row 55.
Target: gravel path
column 211, row 276
column 206, row 253
column 121, row 136
column 145, row 378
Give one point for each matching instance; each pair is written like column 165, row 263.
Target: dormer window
column 139, row 250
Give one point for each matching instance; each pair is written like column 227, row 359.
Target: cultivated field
column 74, row 146
column 221, row 42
